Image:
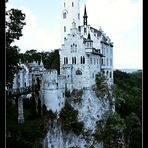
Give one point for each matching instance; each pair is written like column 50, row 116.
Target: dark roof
column 96, row 31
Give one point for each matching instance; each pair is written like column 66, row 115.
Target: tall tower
column 70, row 11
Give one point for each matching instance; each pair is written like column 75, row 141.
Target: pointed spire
column 85, row 16
column 85, row 12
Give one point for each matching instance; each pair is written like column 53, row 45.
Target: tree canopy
column 14, row 25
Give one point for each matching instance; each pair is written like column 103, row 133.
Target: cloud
column 114, row 16
column 34, row 35
column 121, row 20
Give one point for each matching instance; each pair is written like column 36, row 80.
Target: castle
column 85, row 51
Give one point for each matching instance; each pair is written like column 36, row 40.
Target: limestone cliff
column 91, row 109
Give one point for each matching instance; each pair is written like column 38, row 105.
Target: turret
column 70, row 10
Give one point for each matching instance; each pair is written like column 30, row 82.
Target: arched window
column 78, row 72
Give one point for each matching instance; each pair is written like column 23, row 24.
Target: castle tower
column 70, row 11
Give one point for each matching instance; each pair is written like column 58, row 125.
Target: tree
column 39, row 107
column 112, row 131
column 14, row 25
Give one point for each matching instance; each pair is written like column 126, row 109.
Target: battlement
column 50, row 71
column 61, row 77
column 67, row 66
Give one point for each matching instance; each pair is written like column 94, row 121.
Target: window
column 102, row 61
column 82, row 60
column 64, row 15
column 90, row 60
column 107, row 61
column 107, row 73
column 72, row 4
column 78, row 15
column 84, row 30
column 79, row 28
column 64, row 4
column 78, row 72
column 73, row 60
column 75, row 48
column 71, row 48
column 110, row 74
column 66, row 60
column 64, row 28
column 110, row 62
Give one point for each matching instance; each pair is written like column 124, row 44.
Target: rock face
column 91, row 109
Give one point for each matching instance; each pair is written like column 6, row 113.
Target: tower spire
column 85, row 16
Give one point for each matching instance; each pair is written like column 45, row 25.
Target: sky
column 121, row 20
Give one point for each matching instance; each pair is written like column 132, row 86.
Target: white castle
column 85, row 52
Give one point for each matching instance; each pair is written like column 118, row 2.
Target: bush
column 69, row 119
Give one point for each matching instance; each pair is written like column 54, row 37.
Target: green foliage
column 33, row 107
column 44, row 109
column 39, row 107
column 128, row 93
column 69, row 119
column 128, row 103
column 14, row 25
column 67, row 93
column 113, row 129
column 28, row 134
column 102, row 86
column 133, row 132
column 26, row 103
column 51, row 60
column 51, row 115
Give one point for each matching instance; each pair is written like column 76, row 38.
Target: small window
column 79, row 28
column 110, row 74
column 84, row 30
column 72, row 4
column 64, row 28
column 102, row 61
column 78, row 15
column 110, row 62
column 78, row 72
column 90, row 60
column 64, row 15
column 64, row 4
